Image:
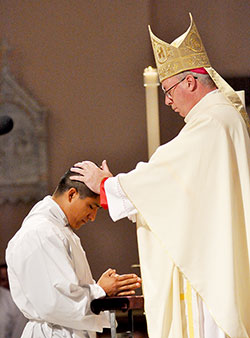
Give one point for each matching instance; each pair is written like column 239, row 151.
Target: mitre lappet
column 187, row 52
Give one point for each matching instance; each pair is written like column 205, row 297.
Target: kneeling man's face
column 82, row 210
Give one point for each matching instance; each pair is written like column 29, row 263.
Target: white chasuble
column 194, row 195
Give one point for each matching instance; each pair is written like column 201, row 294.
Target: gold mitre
column 184, row 53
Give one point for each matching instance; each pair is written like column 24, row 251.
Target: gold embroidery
column 182, row 54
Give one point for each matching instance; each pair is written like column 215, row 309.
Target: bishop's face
column 176, row 94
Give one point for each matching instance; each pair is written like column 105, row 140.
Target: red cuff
column 103, row 197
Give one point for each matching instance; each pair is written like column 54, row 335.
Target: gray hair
column 205, row 79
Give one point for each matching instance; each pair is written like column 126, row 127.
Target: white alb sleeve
column 119, row 205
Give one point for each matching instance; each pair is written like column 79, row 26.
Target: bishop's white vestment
column 50, row 278
column 192, row 202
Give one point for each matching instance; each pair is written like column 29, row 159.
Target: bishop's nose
column 168, row 101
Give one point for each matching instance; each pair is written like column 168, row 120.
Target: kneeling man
column 50, row 279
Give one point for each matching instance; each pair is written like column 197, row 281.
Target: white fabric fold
column 50, row 278
column 197, row 190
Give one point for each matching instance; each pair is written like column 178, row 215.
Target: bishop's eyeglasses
column 167, row 92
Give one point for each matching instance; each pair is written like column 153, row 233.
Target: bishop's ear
column 191, row 81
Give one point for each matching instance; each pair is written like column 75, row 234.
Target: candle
column 151, row 83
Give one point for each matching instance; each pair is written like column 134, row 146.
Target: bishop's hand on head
column 92, row 175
